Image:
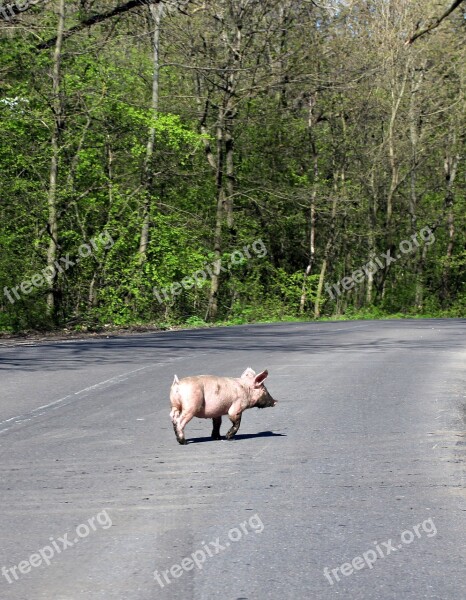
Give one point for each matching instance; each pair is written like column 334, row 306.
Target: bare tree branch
column 433, row 23
column 127, row 6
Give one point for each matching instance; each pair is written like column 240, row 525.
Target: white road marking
column 261, row 450
column 106, row 383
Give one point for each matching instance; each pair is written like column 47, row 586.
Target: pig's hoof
column 216, row 437
column 229, row 435
column 183, row 442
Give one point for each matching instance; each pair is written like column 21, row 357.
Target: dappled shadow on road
column 239, row 436
column 350, row 336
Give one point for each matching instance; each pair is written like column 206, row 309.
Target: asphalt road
column 352, row 487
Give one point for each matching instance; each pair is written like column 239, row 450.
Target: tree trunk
column 312, row 250
column 58, row 123
column 413, row 116
column 156, row 11
column 230, row 177
column 328, row 247
column 393, row 159
column 212, row 308
column 450, row 169
column 315, row 177
column 338, row 180
column 372, row 223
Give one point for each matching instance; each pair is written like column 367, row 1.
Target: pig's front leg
column 217, row 421
column 235, row 418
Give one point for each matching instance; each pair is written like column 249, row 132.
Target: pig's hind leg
column 236, row 420
column 217, row 421
column 177, row 417
column 180, row 424
column 174, row 416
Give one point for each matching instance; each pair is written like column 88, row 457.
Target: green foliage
column 319, row 137
column 195, row 321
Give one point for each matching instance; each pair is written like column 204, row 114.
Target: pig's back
column 208, row 396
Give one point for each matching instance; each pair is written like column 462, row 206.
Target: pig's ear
column 258, row 380
column 248, row 373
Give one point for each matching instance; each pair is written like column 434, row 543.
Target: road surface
column 352, row 487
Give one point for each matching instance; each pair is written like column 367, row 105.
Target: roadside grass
column 93, row 329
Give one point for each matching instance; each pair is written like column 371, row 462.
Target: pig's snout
column 266, row 401
column 266, row 404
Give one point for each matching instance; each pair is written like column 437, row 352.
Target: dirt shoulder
column 60, row 335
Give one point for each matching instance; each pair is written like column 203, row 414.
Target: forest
column 229, row 161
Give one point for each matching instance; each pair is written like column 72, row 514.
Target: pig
column 210, row 397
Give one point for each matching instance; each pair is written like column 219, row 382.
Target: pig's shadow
column 239, row 436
